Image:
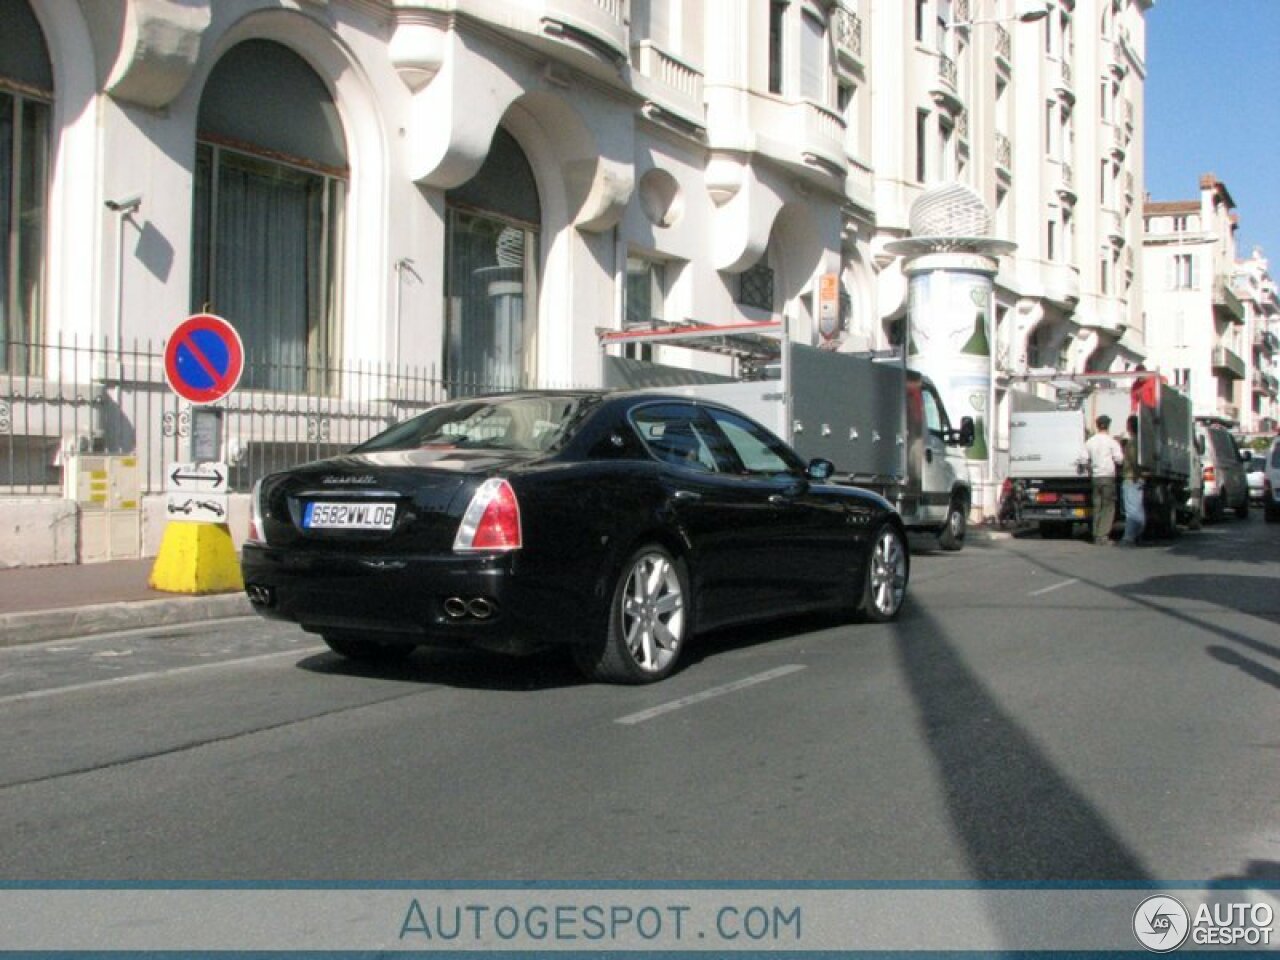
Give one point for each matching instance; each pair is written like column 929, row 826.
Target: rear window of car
column 1224, row 448
column 524, row 424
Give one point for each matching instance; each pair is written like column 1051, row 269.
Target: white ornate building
column 476, row 186
column 1211, row 315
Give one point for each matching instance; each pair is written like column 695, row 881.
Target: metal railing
column 58, row 400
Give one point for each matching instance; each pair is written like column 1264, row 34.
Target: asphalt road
column 1043, row 710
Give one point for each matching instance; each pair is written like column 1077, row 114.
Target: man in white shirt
column 1104, row 456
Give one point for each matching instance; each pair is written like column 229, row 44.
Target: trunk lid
column 402, row 501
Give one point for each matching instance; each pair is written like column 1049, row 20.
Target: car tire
column 1242, row 511
column 1272, row 514
column 649, row 621
column 952, row 535
column 884, row 584
column 1214, row 510
column 366, row 651
column 1161, row 514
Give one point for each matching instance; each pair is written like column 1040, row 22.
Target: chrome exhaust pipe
column 480, row 608
column 259, row 595
column 455, row 608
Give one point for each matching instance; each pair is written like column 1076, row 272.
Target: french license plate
column 349, row 516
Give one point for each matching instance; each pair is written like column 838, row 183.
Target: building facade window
column 1183, row 274
column 755, row 287
column 26, row 95
column 922, row 145
column 777, row 42
column 269, row 211
column 814, row 69
column 645, row 300
column 646, row 292
column 491, row 251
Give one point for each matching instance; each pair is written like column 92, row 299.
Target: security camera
column 127, row 205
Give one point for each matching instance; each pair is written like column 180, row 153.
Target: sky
column 1213, row 106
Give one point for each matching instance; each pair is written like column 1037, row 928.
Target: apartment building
column 472, row 188
column 1209, row 313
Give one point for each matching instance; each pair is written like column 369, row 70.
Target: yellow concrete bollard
column 196, row 558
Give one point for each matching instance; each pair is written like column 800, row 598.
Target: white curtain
column 269, row 274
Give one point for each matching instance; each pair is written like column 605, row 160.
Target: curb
column 38, row 626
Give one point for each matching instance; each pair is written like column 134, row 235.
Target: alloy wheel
column 653, row 612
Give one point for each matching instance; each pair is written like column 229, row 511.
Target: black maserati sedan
column 617, row 524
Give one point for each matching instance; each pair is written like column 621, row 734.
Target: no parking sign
column 203, row 359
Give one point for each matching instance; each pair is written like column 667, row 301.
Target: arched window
column 26, row 96
column 491, row 272
column 270, row 193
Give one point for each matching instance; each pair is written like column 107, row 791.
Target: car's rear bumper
column 490, row 601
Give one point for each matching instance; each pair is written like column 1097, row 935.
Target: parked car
column 1255, row 475
column 1225, row 486
column 1271, row 502
column 615, row 524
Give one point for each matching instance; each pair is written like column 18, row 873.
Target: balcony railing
column 1004, row 152
column 1066, row 181
column 1004, row 45
column 848, row 34
column 656, row 64
column 1112, row 223
column 947, row 70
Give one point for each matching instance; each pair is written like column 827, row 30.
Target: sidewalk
column 70, row 600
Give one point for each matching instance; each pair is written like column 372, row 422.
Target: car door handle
column 928, row 456
column 686, row 495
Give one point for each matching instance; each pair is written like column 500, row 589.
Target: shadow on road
column 1250, row 595
column 1018, row 817
column 465, row 669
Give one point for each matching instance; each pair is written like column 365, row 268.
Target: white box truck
column 1046, row 441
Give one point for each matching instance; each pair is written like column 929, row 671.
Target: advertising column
column 950, row 336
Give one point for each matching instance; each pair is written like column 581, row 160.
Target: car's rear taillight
column 492, row 520
column 1210, row 474
column 255, row 515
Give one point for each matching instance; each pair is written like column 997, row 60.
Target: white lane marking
column 152, row 675
column 673, row 705
column 1056, row 586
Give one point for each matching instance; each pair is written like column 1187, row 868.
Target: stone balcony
column 671, row 87
column 1227, row 362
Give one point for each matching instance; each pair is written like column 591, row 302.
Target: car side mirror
column 964, row 437
column 820, row 470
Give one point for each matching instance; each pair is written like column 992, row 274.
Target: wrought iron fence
column 59, row 400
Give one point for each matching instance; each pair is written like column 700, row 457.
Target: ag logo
column 1161, row 923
